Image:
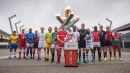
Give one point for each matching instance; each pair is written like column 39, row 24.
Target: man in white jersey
column 41, row 43
column 89, row 45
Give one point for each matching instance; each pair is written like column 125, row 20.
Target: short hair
column 14, row 31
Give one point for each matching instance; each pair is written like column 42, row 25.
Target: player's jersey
column 22, row 38
column 89, row 41
column 108, row 35
column 54, row 37
column 13, row 39
column 48, row 37
column 41, row 37
column 74, row 37
column 116, row 39
column 36, row 39
column 102, row 35
column 96, row 35
column 62, row 34
column 30, row 37
column 82, row 33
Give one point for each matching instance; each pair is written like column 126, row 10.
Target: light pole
column 110, row 22
column 16, row 26
column 11, row 23
column 21, row 27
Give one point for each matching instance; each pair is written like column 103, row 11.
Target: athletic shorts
column 48, row 46
column 30, row 44
column 102, row 43
column 108, row 43
column 41, row 44
column 54, row 46
column 82, row 44
column 116, row 46
column 96, row 44
column 89, row 46
column 35, row 45
column 13, row 46
column 22, row 44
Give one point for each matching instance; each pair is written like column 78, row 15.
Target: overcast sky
column 37, row 13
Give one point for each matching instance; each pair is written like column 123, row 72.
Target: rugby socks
column 27, row 52
column 59, row 55
column 20, row 53
column 114, row 53
column 23, row 53
column 31, row 52
column 53, row 54
column 83, row 55
column 10, row 54
column 79, row 56
column 110, row 54
column 87, row 56
column 93, row 56
column 14, row 54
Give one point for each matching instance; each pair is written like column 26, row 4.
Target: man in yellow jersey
column 48, row 42
column 13, row 41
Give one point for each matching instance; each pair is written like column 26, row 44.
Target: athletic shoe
column 52, row 60
column 9, row 57
column 93, row 60
column 79, row 62
column 111, row 59
column 19, row 58
column 120, row 59
column 105, row 59
column 47, row 59
column 39, row 59
column 85, row 62
column 14, row 57
column 58, row 62
column 26, row 58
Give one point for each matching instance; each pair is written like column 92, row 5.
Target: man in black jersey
column 102, row 41
column 82, row 42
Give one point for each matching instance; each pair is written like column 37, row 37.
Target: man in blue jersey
column 89, row 45
column 30, row 37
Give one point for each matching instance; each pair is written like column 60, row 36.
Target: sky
column 41, row 13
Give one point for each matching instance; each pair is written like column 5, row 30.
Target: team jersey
column 36, row 39
column 82, row 33
column 102, row 35
column 48, row 37
column 89, row 40
column 116, row 39
column 41, row 37
column 62, row 34
column 96, row 35
column 30, row 37
column 108, row 35
column 54, row 37
column 22, row 38
column 13, row 39
column 75, row 37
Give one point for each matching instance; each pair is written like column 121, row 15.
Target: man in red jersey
column 61, row 36
column 108, row 38
column 116, row 44
column 96, row 42
column 22, row 43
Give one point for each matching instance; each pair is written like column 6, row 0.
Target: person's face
column 88, row 30
column 115, row 32
column 14, row 33
column 107, row 28
column 36, row 32
column 23, row 30
column 55, row 29
column 42, row 29
column 74, row 28
column 30, row 30
column 82, row 26
column 95, row 28
column 49, row 29
column 101, row 28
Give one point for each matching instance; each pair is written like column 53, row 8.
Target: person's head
column 14, row 33
column 49, row 29
column 42, row 29
column 82, row 25
column 95, row 28
column 23, row 30
column 88, row 30
column 36, row 32
column 55, row 29
column 30, row 30
column 108, row 28
column 74, row 28
column 63, row 27
column 115, row 32
column 101, row 27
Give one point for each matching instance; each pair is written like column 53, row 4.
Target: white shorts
column 89, row 46
column 41, row 44
column 54, row 46
column 96, row 44
column 30, row 45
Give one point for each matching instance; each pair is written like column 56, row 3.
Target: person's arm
column 78, row 38
column 9, row 40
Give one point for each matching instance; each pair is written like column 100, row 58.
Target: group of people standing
column 99, row 40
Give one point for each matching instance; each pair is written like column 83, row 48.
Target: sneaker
column 14, row 57
column 105, row 59
column 39, row 59
column 79, row 62
column 93, row 60
column 52, row 60
column 47, row 59
column 111, row 59
column 26, row 58
column 19, row 58
column 99, row 59
column 9, row 57
column 58, row 62
column 120, row 59
column 85, row 62
column 31, row 57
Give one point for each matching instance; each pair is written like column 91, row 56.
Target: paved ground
column 34, row 66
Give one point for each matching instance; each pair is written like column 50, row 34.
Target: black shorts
column 102, row 43
column 82, row 44
column 108, row 43
column 35, row 45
